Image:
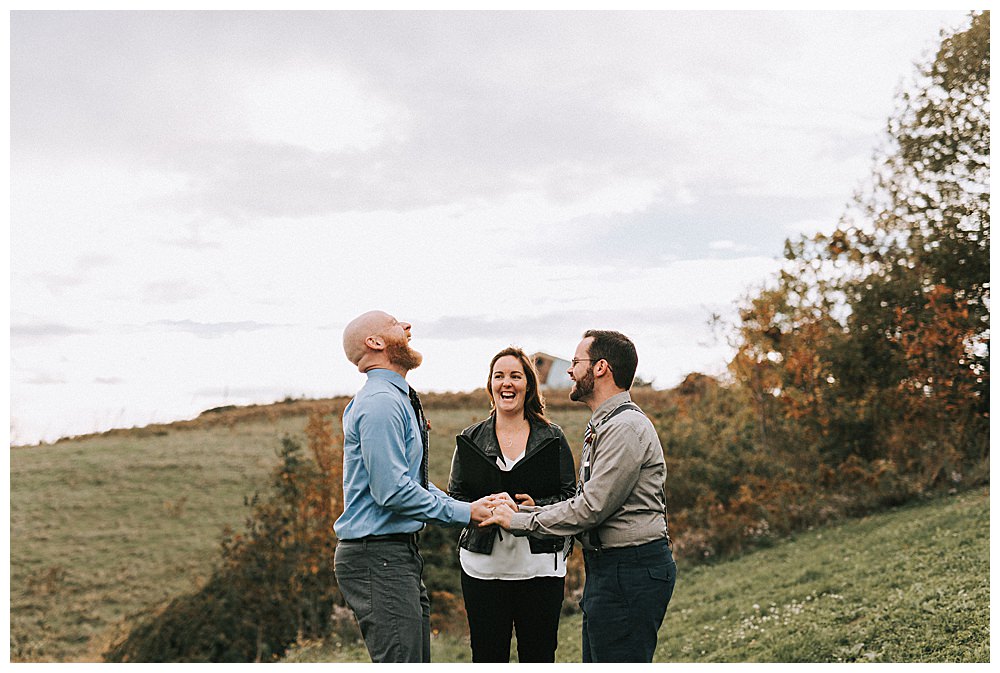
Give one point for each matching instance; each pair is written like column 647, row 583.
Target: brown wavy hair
column 534, row 402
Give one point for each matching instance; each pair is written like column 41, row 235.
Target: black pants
column 530, row 606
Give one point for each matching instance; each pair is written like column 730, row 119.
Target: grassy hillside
column 105, row 526
column 910, row 585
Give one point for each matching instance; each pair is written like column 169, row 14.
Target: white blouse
column 511, row 558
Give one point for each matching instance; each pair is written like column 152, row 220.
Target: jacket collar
column 484, row 436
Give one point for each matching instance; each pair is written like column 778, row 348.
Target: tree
column 872, row 348
column 928, row 207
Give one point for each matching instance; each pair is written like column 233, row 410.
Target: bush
column 275, row 583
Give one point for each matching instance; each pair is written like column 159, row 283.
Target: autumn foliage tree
column 861, row 373
column 869, row 357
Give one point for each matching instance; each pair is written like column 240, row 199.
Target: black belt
column 390, row 537
column 601, row 550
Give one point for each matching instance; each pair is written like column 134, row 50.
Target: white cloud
column 261, row 178
column 322, row 109
column 33, row 331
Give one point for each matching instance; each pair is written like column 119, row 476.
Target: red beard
column 401, row 355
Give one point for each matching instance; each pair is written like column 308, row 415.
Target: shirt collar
column 390, row 376
column 610, row 405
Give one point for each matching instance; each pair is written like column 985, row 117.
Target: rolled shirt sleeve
column 615, row 460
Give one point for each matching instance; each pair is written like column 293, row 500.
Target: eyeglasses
column 575, row 361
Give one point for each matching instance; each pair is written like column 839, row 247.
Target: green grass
column 444, row 649
column 910, row 585
column 106, row 526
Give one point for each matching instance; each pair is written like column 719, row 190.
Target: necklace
column 507, row 439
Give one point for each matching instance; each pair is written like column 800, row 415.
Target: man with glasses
column 619, row 513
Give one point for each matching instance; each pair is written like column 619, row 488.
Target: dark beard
column 401, row 355
column 583, row 387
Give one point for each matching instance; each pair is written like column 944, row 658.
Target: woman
column 513, row 581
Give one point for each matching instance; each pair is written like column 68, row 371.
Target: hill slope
column 108, row 525
column 105, row 526
column 909, row 585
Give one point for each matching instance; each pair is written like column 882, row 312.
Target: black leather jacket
column 483, row 436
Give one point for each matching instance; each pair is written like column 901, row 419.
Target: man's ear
column 601, row 368
column 375, row 343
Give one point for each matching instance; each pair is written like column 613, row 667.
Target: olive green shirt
column 623, row 499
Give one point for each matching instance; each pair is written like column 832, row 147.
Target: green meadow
column 106, row 527
column 909, row 585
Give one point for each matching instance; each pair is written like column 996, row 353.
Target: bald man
column 387, row 495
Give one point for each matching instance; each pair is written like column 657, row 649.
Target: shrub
column 275, row 583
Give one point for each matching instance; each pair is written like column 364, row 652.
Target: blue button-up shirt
column 382, row 454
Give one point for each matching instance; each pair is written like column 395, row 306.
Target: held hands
column 501, row 517
column 501, row 506
column 494, row 509
column 482, row 509
column 525, row 499
column 498, row 499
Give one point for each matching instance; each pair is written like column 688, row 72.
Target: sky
column 201, row 201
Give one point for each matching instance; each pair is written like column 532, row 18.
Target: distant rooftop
column 552, row 371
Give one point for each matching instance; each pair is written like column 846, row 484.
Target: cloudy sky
column 201, row 201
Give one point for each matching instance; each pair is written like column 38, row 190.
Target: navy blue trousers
column 624, row 600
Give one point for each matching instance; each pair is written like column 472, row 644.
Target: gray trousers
column 381, row 582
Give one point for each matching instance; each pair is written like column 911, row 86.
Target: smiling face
column 375, row 339
column 508, row 385
column 512, row 385
column 582, row 372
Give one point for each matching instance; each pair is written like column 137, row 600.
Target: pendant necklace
column 507, row 441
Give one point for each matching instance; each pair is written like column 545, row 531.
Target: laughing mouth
column 506, row 395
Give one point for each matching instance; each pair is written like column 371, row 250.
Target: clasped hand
column 494, row 509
